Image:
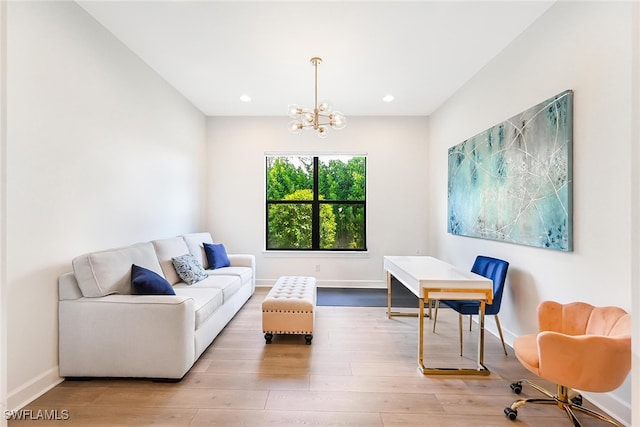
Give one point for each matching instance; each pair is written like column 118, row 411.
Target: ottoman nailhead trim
column 285, row 311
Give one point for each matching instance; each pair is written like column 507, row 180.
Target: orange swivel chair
column 579, row 347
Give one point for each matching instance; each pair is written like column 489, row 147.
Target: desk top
column 423, row 275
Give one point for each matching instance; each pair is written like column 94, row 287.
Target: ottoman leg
column 268, row 337
column 308, row 338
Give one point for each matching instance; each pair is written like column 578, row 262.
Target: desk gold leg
column 481, row 336
column 480, row 370
column 390, row 313
column 421, row 339
column 388, row 295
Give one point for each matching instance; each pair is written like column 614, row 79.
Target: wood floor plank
column 183, row 397
column 388, row 384
column 347, row 401
column 267, row 418
column 233, row 381
column 440, row 420
column 78, row 393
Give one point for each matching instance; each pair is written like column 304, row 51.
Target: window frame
column 315, row 203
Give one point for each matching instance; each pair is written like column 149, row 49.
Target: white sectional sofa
column 106, row 331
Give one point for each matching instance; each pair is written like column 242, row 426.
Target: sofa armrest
column 242, row 260
column 68, row 288
column 127, row 336
column 245, row 260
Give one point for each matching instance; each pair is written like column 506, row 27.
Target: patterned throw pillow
column 189, row 269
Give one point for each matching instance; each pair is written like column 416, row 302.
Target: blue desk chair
column 491, row 268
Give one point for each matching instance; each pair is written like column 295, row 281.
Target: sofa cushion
column 216, row 255
column 206, row 300
column 146, row 282
column 166, row 249
column 194, row 242
column 189, row 269
column 245, row 273
column 229, row 285
column 109, row 272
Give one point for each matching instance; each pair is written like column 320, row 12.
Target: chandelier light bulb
column 338, row 120
column 307, row 117
column 295, row 126
column 293, row 111
column 320, row 118
column 324, row 106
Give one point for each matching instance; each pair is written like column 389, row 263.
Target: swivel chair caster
column 516, row 387
column 510, row 413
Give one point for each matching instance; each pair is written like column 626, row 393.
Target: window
column 316, row 203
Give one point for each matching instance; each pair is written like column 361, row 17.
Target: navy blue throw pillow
column 147, row 282
column 216, row 255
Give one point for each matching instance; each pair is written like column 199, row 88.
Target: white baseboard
column 612, row 405
column 33, row 389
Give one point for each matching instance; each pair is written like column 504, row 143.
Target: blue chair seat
column 464, row 307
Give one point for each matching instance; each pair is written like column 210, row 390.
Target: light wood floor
column 361, row 370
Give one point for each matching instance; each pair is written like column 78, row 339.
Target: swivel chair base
column 561, row 398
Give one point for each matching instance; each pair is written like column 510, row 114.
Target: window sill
column 315, row 254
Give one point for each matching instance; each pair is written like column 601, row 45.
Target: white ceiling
column 215, row 51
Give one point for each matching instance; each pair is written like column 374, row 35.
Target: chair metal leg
column 435, row 315
column 460, row 331
column 595, row 414
column 504, row 347
column 435, row 320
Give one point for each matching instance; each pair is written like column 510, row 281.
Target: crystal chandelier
column 320, row 118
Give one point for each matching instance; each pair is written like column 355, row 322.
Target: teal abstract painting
column 513, row 182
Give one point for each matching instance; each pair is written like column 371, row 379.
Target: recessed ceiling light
column 388, row 98
column 245, row 98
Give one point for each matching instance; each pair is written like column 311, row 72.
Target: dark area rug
column 366, row 297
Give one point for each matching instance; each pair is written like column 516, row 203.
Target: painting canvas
column 513, row 182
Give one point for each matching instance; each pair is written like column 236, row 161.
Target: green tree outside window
column 316, row 203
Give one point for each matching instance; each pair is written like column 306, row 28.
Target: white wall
column 101, row 152
column 635, row 197
column 3, row 199
column 587, row 47
column 397, row 202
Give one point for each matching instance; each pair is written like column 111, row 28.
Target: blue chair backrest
column 496, row 270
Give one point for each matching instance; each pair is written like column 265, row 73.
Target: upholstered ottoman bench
column 289, row 307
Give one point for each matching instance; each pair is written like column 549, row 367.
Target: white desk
column 429, row 278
